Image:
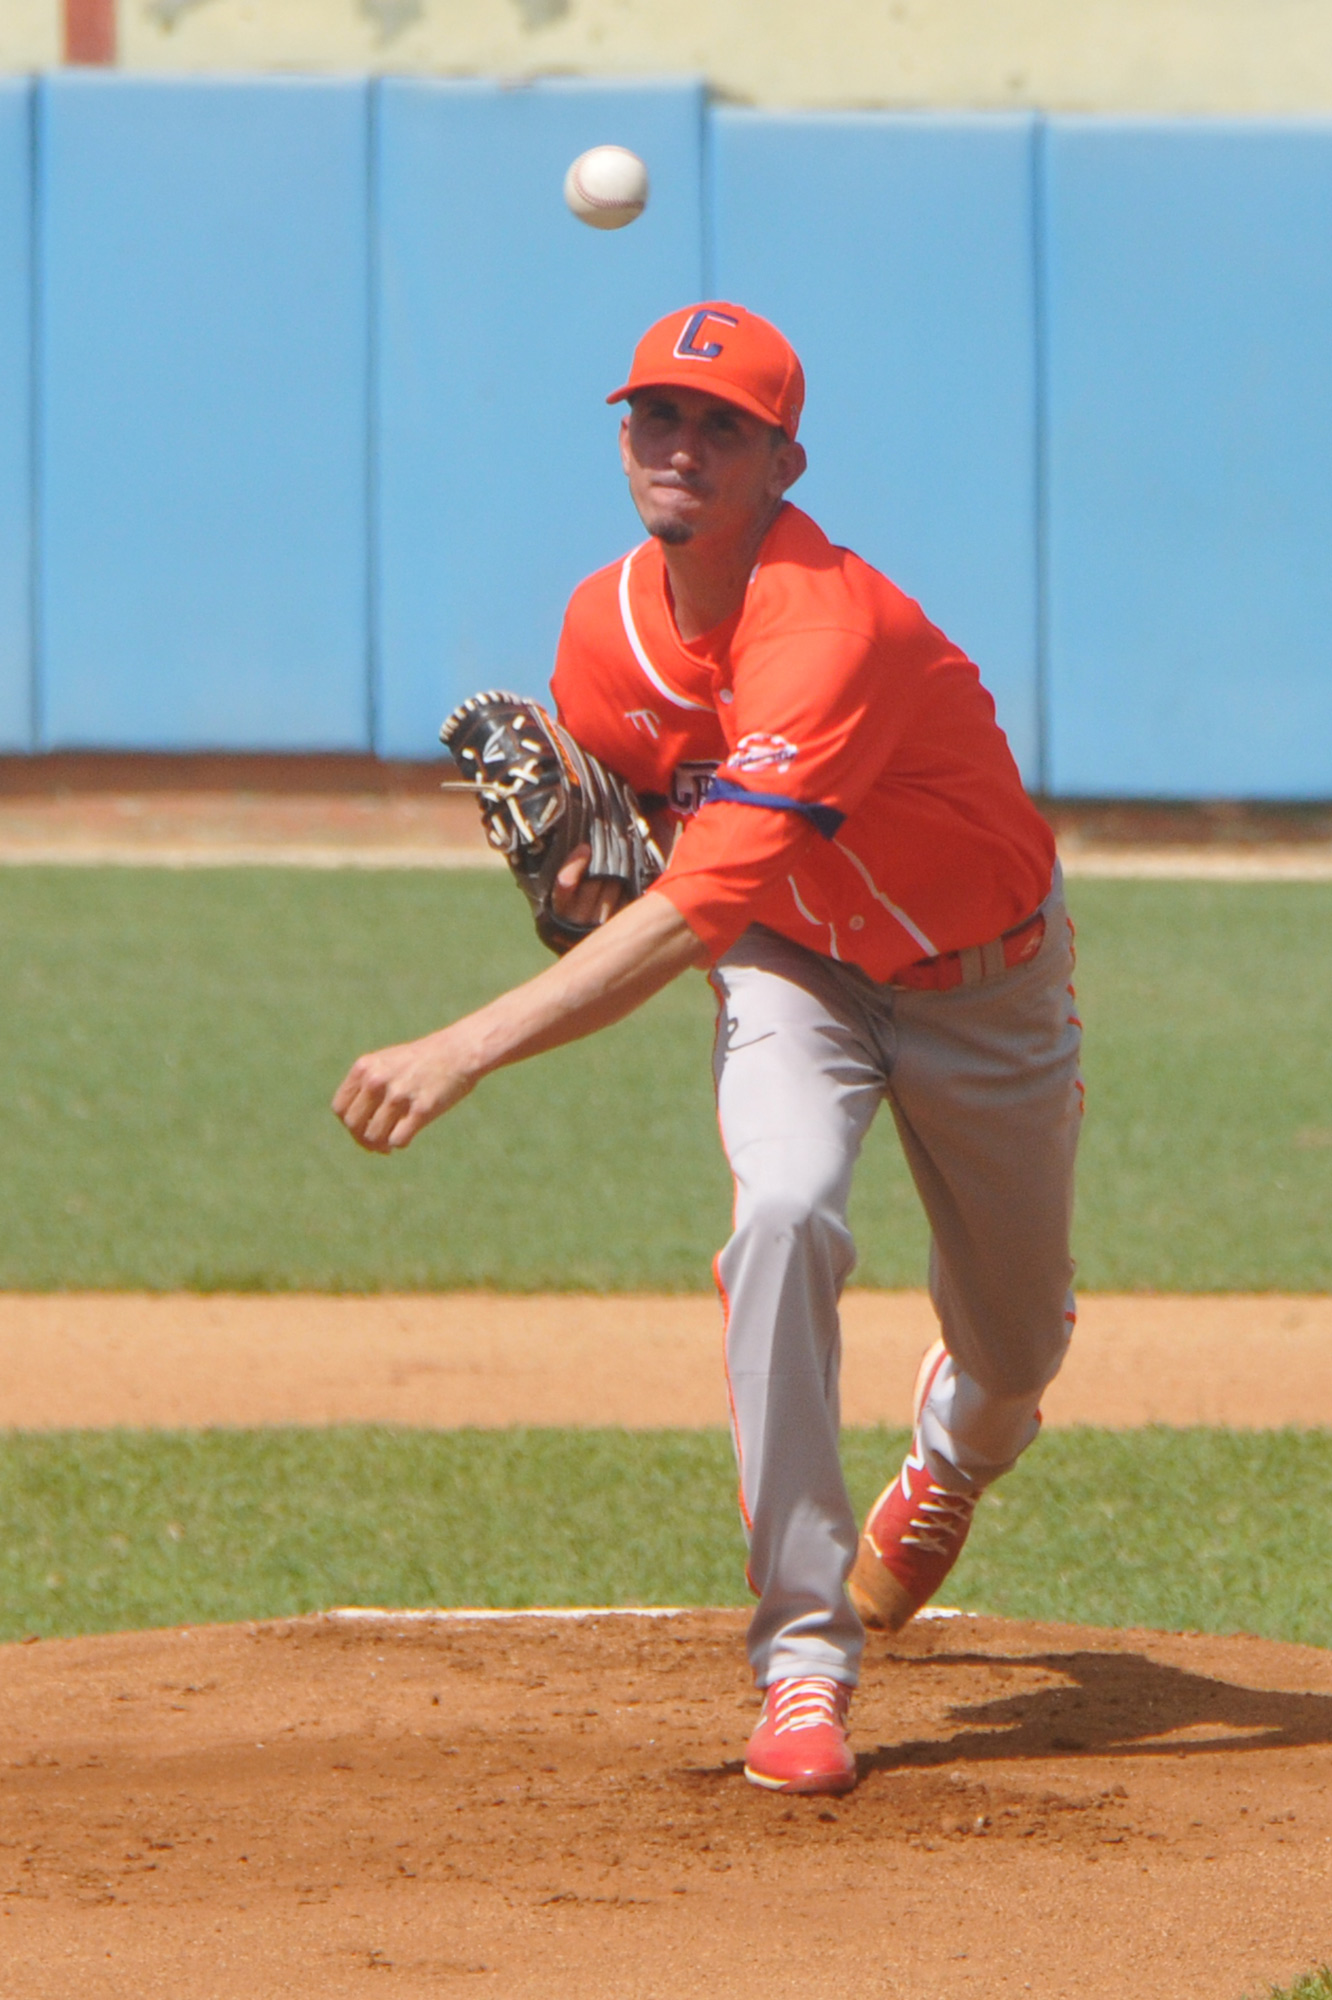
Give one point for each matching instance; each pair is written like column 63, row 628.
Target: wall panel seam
column 35, row 387
column 707, row 195
column 1041, row 441
column 373, row 664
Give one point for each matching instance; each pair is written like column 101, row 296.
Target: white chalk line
column 296, row 854
column 368, row 1614
column 364, row 1614
column 1199, row 864
column 1130, row 864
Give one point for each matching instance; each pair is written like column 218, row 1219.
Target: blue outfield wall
column 203, row 413
column 897, row 253
column 15, row 415
column 1189, row 429
column 321, row 444
column 502, row 324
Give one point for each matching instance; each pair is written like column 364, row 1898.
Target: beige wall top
column 29, row 34
column 1245, row 56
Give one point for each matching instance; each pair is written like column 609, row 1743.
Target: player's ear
column 788, row 463
column 624, row 440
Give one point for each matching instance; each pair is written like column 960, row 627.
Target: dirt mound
column 541, row 1806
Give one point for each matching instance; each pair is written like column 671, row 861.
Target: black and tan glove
column 541, row 796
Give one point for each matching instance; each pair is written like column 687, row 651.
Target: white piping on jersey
column 818, row 922
column 930, row 949
column 636, row 644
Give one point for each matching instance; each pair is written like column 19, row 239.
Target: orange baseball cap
column 727, row 352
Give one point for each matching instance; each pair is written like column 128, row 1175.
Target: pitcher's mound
column 553, row 1807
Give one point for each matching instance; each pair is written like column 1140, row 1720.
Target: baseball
column 607, row 187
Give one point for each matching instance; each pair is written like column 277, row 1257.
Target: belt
column 975, row 961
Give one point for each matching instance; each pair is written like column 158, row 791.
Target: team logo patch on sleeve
column 761, row 752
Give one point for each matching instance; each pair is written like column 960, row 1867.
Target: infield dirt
column 75, row 1359
column 543, row 1808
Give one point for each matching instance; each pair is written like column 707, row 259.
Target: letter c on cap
column 684, row 346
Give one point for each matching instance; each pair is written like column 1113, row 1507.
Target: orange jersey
column 834, row 758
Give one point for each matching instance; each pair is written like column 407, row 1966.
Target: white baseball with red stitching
column 607, row 187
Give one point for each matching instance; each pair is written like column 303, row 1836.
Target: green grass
column 1183, row 1530
column 183, row 1033
column 174, row 1038
column 1208, row 1157
column 103, row 1530
column 114, row 1530
column 1314, row 1986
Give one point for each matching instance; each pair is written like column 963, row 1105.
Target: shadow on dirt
column 1116, row 1704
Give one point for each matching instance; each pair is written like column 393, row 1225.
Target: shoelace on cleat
column 807, row 1704
column 938, row 1520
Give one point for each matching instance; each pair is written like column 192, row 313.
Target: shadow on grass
column 1118, row 1704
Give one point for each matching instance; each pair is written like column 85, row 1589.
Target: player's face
column 699, row 467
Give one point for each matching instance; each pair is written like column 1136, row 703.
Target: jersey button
column 726, row 696
column 857, row 923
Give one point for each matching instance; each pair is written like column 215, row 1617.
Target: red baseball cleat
column 913, row 1533
column 800, row 1742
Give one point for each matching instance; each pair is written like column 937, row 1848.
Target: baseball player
column 855, row 861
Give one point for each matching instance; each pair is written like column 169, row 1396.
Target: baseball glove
column 541, row 796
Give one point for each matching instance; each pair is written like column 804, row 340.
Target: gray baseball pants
column 983, row 1085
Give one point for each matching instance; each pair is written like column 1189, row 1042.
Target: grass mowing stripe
column 1197, row 1530
column 182, row 1035
column 179, row 1036
column 1207, row 1162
